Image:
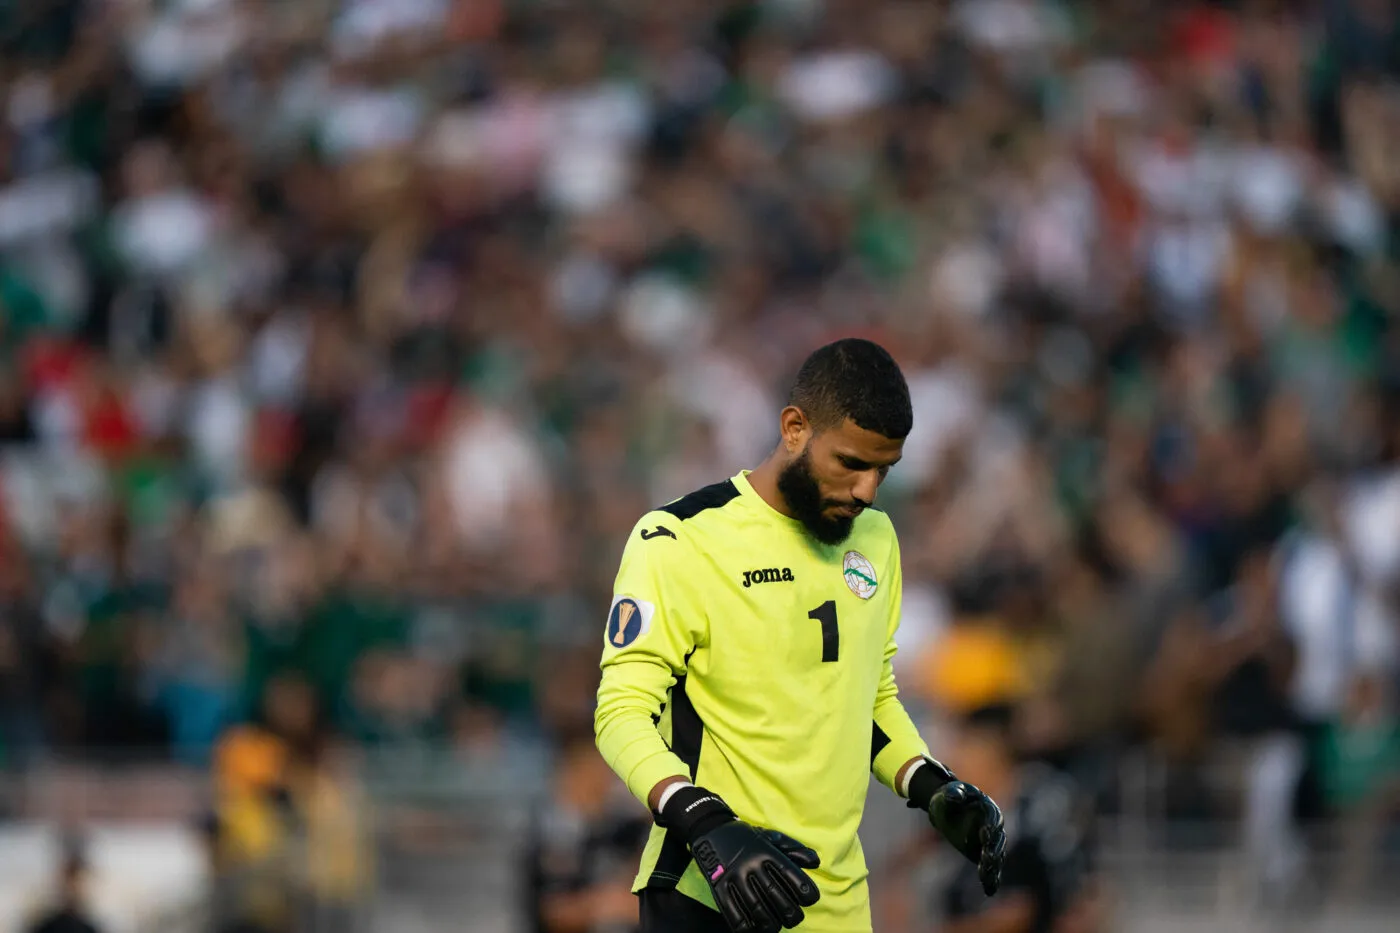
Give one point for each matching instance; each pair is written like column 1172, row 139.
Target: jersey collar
column 741, row 482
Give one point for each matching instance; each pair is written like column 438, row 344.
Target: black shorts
column 667, row 911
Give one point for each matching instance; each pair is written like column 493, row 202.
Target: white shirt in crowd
column 1340, row 630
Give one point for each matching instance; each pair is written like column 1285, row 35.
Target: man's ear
column 795, row 428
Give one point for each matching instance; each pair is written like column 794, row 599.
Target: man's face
column 835, row 477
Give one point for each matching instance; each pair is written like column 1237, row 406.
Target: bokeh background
column 343, row 341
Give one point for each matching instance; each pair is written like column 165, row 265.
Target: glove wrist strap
column 925, row 781
column 694, row 811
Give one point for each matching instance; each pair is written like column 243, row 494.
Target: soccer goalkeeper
column 747, row 688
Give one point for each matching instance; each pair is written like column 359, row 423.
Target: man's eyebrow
column 859, row 463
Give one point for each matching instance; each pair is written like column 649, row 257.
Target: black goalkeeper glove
column 969, row 819
column 755, row 874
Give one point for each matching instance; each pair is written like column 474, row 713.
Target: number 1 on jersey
column 831, row 635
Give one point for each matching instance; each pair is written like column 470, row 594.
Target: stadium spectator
column 70, row 912
column 1052, row 882
column 583, row 849
column 287, row 837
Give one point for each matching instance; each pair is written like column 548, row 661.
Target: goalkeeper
column 747, row 689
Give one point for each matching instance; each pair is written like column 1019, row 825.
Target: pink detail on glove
column 718, row 871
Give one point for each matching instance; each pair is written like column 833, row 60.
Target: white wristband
column 908, row 776
column 668, row 793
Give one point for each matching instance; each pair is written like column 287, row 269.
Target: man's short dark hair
column 856, row 379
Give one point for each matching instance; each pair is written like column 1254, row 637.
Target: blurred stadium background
column 342, row 341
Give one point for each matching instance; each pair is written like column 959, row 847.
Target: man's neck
column 764, row 480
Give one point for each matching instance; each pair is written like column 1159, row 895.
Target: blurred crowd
column 343, row 341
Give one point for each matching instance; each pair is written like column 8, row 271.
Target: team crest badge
column 859, row 574
column 628, row 620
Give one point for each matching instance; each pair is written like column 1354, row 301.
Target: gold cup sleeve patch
column 628, row 619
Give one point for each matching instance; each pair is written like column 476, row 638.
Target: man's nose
column 866, row 487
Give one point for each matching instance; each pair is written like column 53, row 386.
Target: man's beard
column 803, row 496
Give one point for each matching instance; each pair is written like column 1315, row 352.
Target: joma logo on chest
column 769, row 575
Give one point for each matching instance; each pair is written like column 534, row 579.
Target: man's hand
column 755, row 874
column 969, row 819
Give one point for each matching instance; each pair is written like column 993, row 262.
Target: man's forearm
column 895, row 741
column 901, row 776
column 625, row 729
column 654, row 798
column 920, row 778
column 897, row 745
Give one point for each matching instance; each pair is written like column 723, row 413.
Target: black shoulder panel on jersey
column 711, row 497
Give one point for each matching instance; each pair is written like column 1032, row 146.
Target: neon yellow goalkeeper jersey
column 745, row 654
